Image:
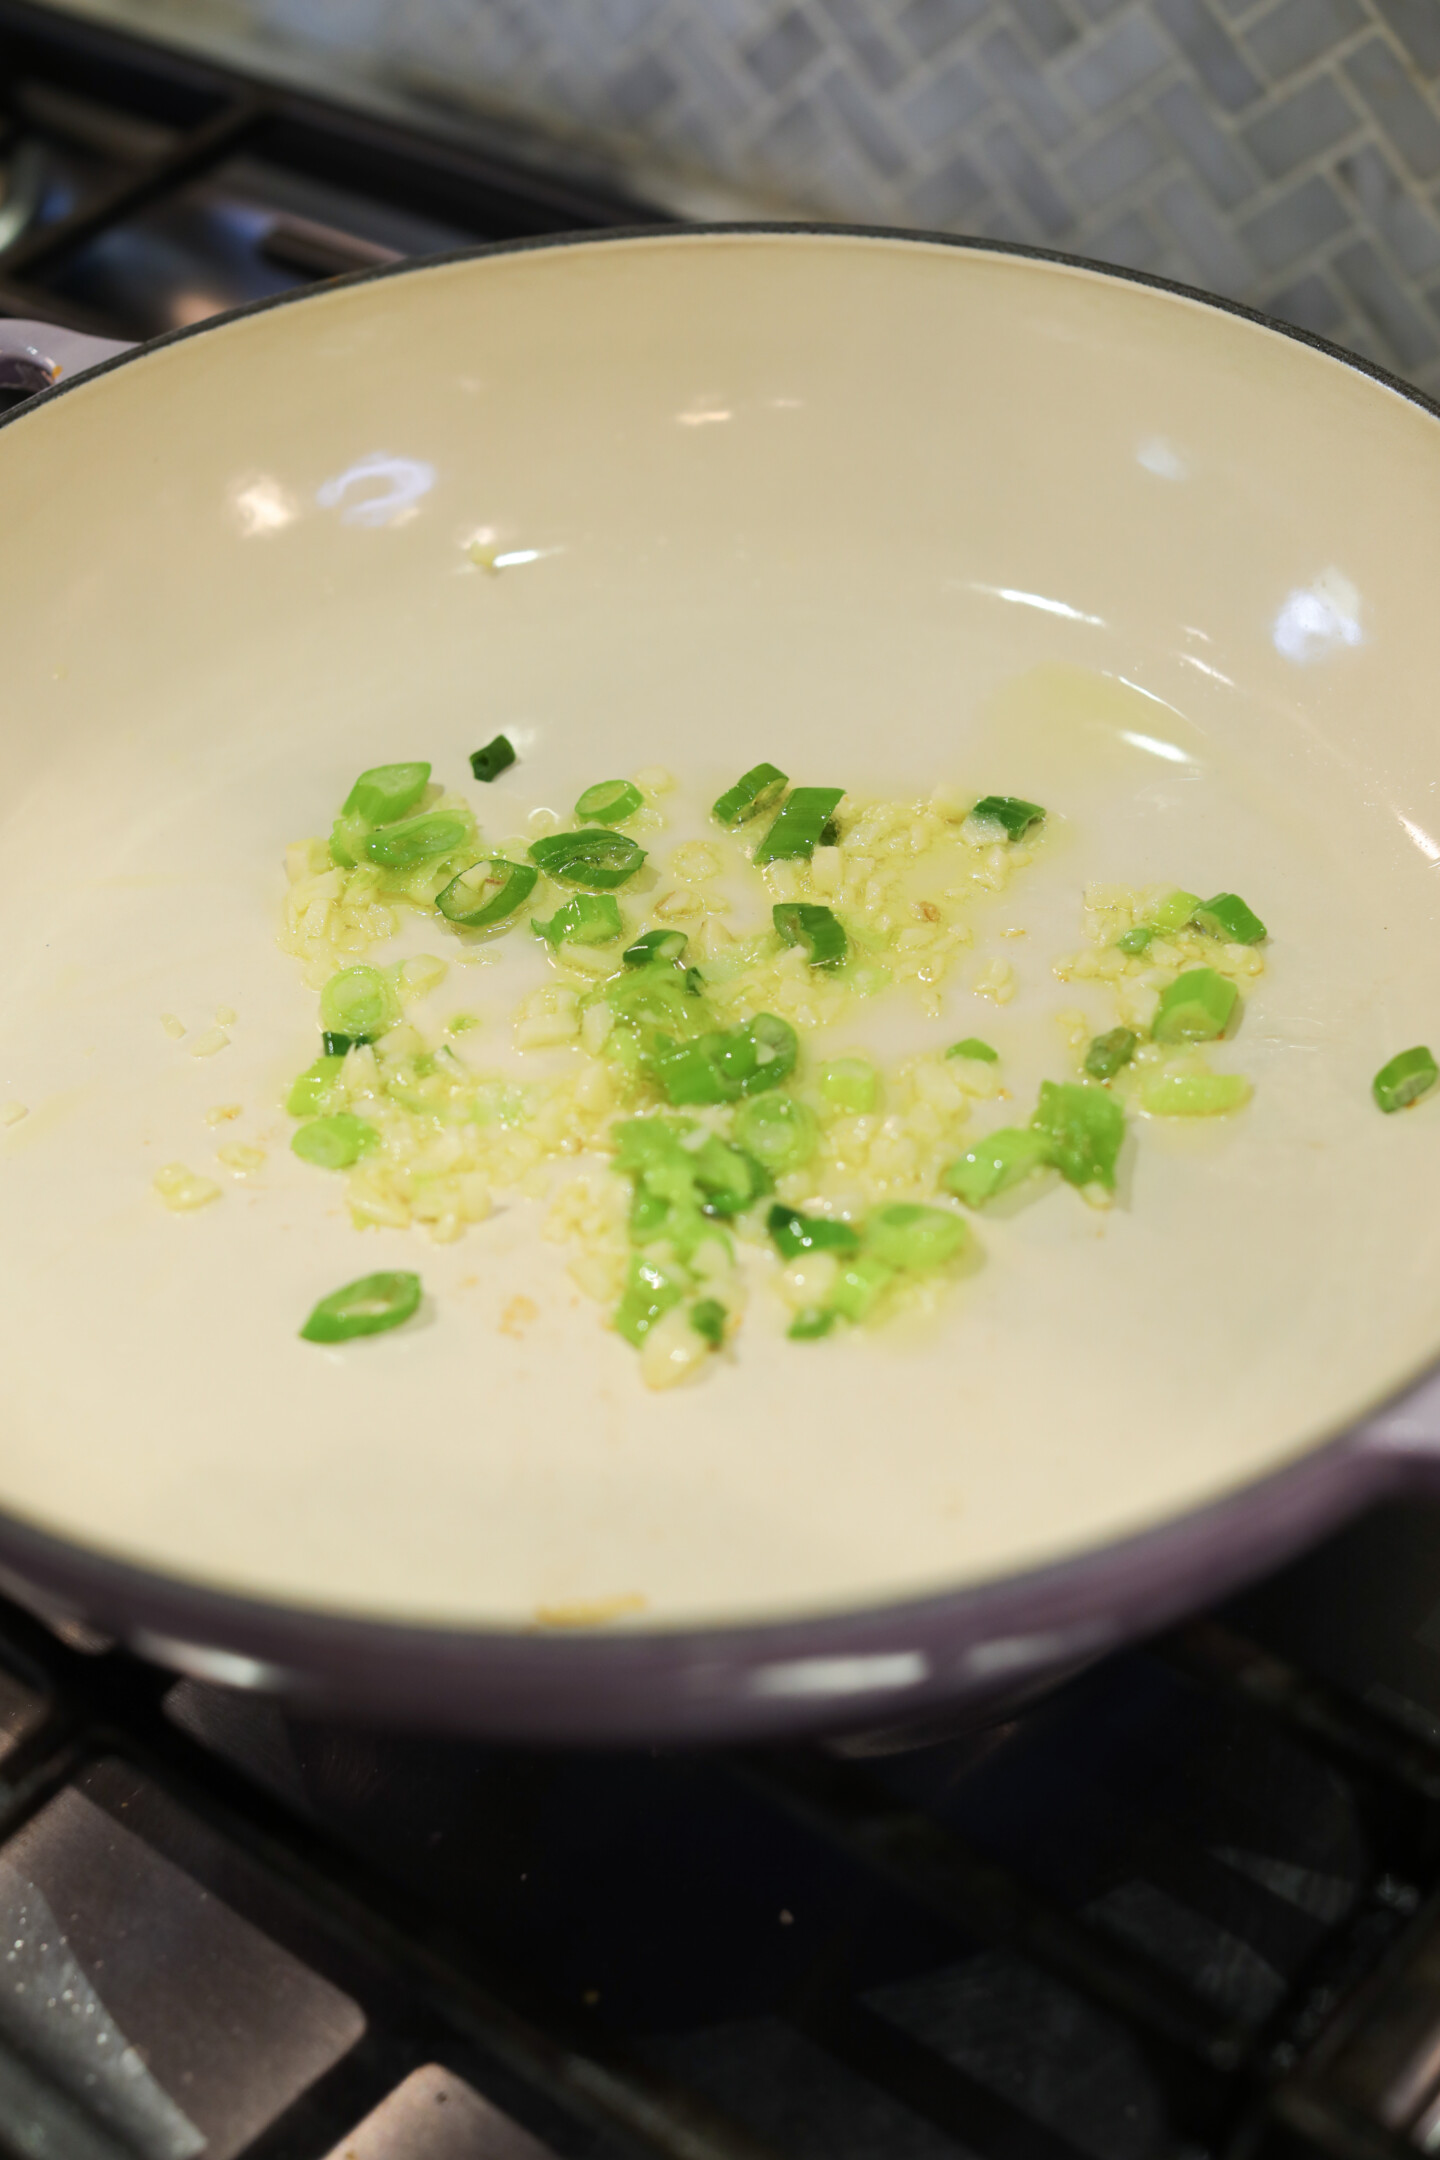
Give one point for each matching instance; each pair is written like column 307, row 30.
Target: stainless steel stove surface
column 1187, row 1906
column 141, row 190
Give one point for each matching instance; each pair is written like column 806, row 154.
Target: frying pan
column 893, row 512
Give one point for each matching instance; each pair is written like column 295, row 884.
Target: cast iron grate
column 1347, row 2064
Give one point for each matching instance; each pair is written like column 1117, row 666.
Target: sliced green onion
column 610, row 802
column 1107, row 1053
column 728, row 1178
column 755, row 791
column 489, row 763
column 1002, row 1159
column 366, row 1307
column 682, row 1187
column 650, row 1292
column 814, row 929
column 728, row 1063
column 972, row 1047
column 1180, row 1094
column 859, row 1283
column 347, row 841
column 796, row 831
column 1136, row 940
column 588, row 919
column 852, row 1084
column 358, row 1002
column 1084, row 1127
column 333, row 1143
column 812, row 1323
column 1195, row 1008
column 592, row 857
column 655, row 945
column 310, row 1090
column 1012, row 813
column 708, row 1317
column 657, row 998
column 1405, row 1079
column 336, row 1046
column 795, row 1233
column 907, row 1235
column 487, row 892
column 418, row 839
column 386, row 792
column 1227, row 916
column 1174, row 911
column 778, row 1131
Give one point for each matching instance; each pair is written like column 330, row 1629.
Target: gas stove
column 1186, row 1907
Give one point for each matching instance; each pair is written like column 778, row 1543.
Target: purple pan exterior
column 967, row 1651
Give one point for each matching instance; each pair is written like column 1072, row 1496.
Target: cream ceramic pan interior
column 890, row 514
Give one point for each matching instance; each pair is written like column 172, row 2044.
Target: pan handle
column 34, row 355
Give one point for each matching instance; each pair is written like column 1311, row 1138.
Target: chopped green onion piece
column 366, row 1307
column 708, row 1320
column 359, row 1001
column 386, row 792
column 1002, row 1159
column 906, row 1235
column 1405, row 1079
column 1195, row 1008
column 1107, row 1053
column 658, row 998
column 972, row 1047
column 650, row 1291
column 655, row 945
column 1011, row 812
column 347, row 841
column 729, row 1063
column 813, row 928
column 1136, row 940
column 335, row 1045
column 610, row 802
column 1228, row 917
column 1174, row 911
column 795, row 1233
column 418, row 839
column 812, row 1323
column 489, row 763
column 310, row 1090
column 683, row 1175
column 829, row 834
column 1181, row 1094
column 592, row 857
column 852, row 1084
column 588, row 919
column 755, row 791
column 778, row 1131
column 333, row 1143
column 487, row 892
column 796, row 831
column 1084, row 1128
column 859, row 1283
column 729, row 1178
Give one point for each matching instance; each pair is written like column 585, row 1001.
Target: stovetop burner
column 144, row 190
column 1185, row 1908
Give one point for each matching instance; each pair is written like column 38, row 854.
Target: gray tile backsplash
column 1283, row 152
